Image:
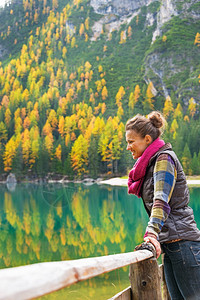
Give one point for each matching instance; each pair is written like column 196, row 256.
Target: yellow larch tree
column 58, row 152
column 148, row 102
column 18, row 125
column 173, row 128
column 61, row 126
column 81, row 30
column 164, row 38
column 110, row 142
column 122, row 37
column 134, row 97
column 99, row 125
column 79, row 155
column 3, row 134
column 87, row 23
column 26, row 146
column 105, row 48
column 104, row 93
column 52, row 119
column 7, row 117
column 35, row 145
column 86, row 37
column 197, row 39
column 120, row 95
column 103, row 108
column 9, row 154
column 73, row 42
column 48, row 141
column 87, row 66
column 100, row 69
column 192, row 107
column 64, row 52
column 99, row 85
column 178, row 112
column 5, row 101
column 129, row 32
column 168, row 107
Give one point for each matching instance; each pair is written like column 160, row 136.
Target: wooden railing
column 32, row 281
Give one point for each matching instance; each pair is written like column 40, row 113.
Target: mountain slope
column 80, row 74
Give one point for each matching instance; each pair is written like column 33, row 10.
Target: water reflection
column 61, row 222
column 56, row 222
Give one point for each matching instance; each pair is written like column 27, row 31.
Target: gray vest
column 180, row 223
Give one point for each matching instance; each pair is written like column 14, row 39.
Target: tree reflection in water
column 60, row 222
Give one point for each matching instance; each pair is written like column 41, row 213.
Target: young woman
column 158, row 178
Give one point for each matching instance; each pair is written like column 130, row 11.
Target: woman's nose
column 128, row 147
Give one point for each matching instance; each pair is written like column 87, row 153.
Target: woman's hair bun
column 156, row 119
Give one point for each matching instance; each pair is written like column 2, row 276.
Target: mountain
column 72, row 73
column 171, row 65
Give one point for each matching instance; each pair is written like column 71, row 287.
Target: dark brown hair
column 152, row 125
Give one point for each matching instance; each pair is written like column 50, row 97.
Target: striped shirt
column 165, row 176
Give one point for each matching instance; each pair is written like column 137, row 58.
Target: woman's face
column 137, row 144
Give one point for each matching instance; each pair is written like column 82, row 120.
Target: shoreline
column 123, row 182
column 115, row 181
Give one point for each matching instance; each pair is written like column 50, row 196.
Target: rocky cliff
column 171, row 64
column 166, row 58
column 118, row 7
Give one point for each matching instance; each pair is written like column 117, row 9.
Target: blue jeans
column 182, row 269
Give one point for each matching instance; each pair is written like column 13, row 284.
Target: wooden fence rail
column 32, row 281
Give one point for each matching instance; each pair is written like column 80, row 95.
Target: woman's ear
column 148, row 139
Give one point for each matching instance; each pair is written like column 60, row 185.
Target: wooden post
column 145, row 280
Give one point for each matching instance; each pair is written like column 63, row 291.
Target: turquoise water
column 61, row 222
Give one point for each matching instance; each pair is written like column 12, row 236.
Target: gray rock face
column 2, row 51
column 118, row 7
column 161, row 67
column 167, row 10
column 11, row 178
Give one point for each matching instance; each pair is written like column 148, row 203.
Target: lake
column 63, row 222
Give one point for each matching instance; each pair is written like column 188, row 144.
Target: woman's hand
column 156, row 244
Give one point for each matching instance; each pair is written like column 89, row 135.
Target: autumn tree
column 26, row 146
column 9, row 154
column 122, row 37
column 35, row 145
column 192, row 107
column 104, row 93
column 3, row 133
column 133, row 98
column 73, row 42
column 120, row 95
column 79, row 156
column 110, row 142
column 197, row 39
column 178, row 112
column 7, row 117
column 168, row 107
column 173, row 128
column 87, row 23
column 149, row 99
column 81, row 30
column 129, row 32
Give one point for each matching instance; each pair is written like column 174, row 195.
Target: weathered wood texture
column 165, row 292
column 31, row 281
column 145, row 280
column 124, row 295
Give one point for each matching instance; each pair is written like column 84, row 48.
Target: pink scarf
column 136, row 175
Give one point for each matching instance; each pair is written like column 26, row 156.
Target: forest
column 65, row 98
